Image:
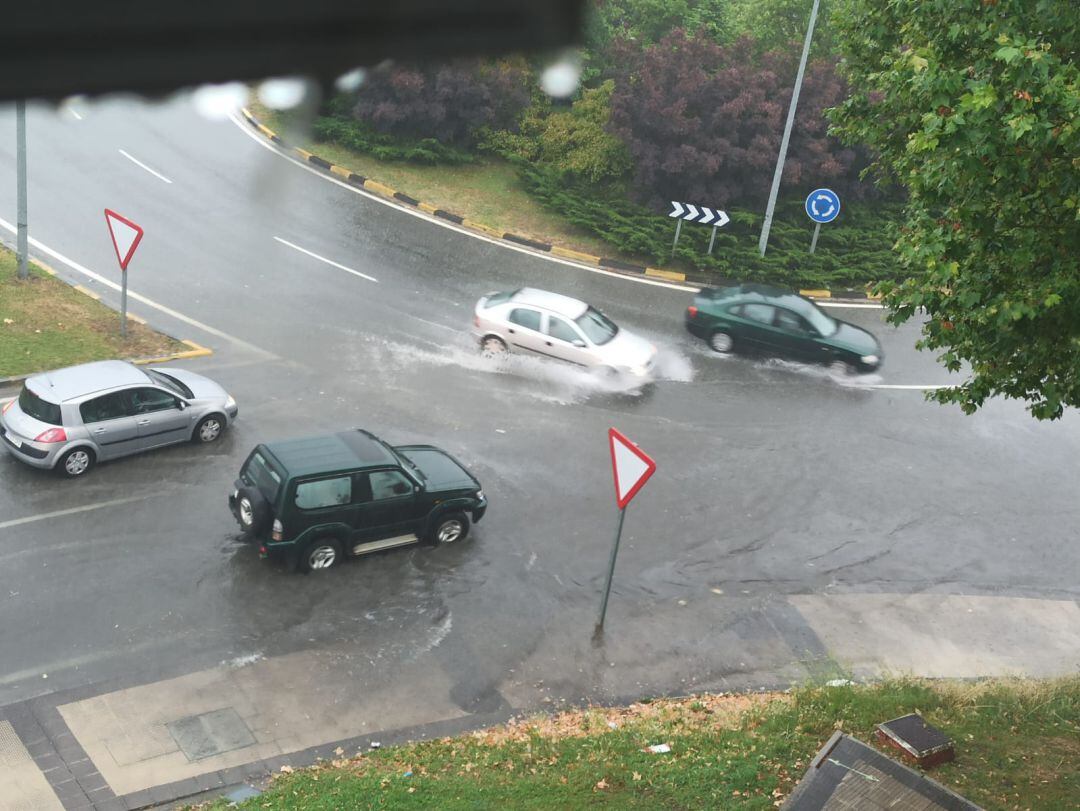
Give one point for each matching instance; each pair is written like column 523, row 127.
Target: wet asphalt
column 773, row 479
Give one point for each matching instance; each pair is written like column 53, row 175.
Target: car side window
column 146, row 401
column 106, row 407
column 530, row 319
column 557, row 328
column 324, row 493
column 388, row 484
column 762, row 313
column 789, row 321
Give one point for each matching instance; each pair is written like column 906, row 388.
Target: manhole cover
column 209, row 734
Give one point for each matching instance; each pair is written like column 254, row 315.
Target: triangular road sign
column 632, row 468
column 125, row 236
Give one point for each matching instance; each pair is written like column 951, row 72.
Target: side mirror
column 580, row 344
column 181, row 404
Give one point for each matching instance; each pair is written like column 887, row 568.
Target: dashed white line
column 142, row 165
column 327, row 261
column 45, row 249
column 71, row 511
column 76, row 114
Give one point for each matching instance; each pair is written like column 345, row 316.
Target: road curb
column 614, row 265
column 194, row 350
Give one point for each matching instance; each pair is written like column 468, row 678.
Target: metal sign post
column 678, row 230
column 822, row 205
column 712, row 239
column 631, row 468
column 126, row 236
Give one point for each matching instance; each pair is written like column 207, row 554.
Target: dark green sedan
column 774, row 321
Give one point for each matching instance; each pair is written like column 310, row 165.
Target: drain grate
column 209, row 734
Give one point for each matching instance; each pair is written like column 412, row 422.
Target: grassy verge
column 1018, row 743
column 45, row 324
column 488, row 190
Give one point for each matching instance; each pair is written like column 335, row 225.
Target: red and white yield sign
column 125, row 236
column 632, row 468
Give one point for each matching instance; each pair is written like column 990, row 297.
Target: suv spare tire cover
column 260, row 509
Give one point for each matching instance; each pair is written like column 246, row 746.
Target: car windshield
column 40, row 409
column 169, row 382
column 818, row 320
column 597, row 327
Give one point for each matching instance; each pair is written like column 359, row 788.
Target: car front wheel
column 208, row 429
column 76, row 462
column 449, row 529
column 492, row 347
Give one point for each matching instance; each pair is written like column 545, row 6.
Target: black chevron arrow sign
column 703, row 215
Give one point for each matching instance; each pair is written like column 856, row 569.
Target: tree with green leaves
column 973, row 106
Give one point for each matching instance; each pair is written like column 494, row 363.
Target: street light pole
column 20, row 183
column 764, row 241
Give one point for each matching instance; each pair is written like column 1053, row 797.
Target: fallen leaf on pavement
column 602, row 785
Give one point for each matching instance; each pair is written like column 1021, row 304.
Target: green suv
column 319, row 499
column 774, row 321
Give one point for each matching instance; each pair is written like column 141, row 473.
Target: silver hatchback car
column 560, row 327
column 72, row 418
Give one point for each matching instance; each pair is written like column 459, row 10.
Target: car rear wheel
column 208, row 429
column 449, row 529
column 252, row 510
column 320, row 555
column 722, row 341
column 76, row 462
column 492, row 347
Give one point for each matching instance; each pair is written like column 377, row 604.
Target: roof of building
column 77, row 381
column 846, row 774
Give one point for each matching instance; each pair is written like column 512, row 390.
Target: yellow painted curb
column 873, row 296
column 137, row 319
column 428, row 207
column 478, row 226
column 86, row 292
column 381, row 188
column 568, row 253
column 670, row 275
column 265, row 130
column 196, row 351
column 340, row 171
column 303, row 153
column 816, row 293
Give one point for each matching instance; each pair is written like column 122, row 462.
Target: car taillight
column 691, row 311
column 7, row 405
column 277, row 530
column 52, row 435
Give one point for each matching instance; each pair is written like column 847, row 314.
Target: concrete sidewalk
column 150, row 744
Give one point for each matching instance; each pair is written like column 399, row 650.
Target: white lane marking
column 76, row 662
column 142, row 165
column 246, row 129
column 72, row 510
column 327, row 261
column 910, row 386
column 76, row 114
column 849, row 304
column 45, row 249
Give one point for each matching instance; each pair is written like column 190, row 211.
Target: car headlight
column 870, row 359
column 480, row 495
column 639, row 371
column 230, row 402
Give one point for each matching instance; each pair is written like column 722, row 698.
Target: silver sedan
column 543, row 323
column 72, row 418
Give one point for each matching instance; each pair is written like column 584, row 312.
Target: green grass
column 45, row 324
column 488, row 190
column 1018, row 743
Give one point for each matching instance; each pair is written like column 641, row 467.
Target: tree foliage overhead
column 451, row 102
column 703, row 122
column 973, row 107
